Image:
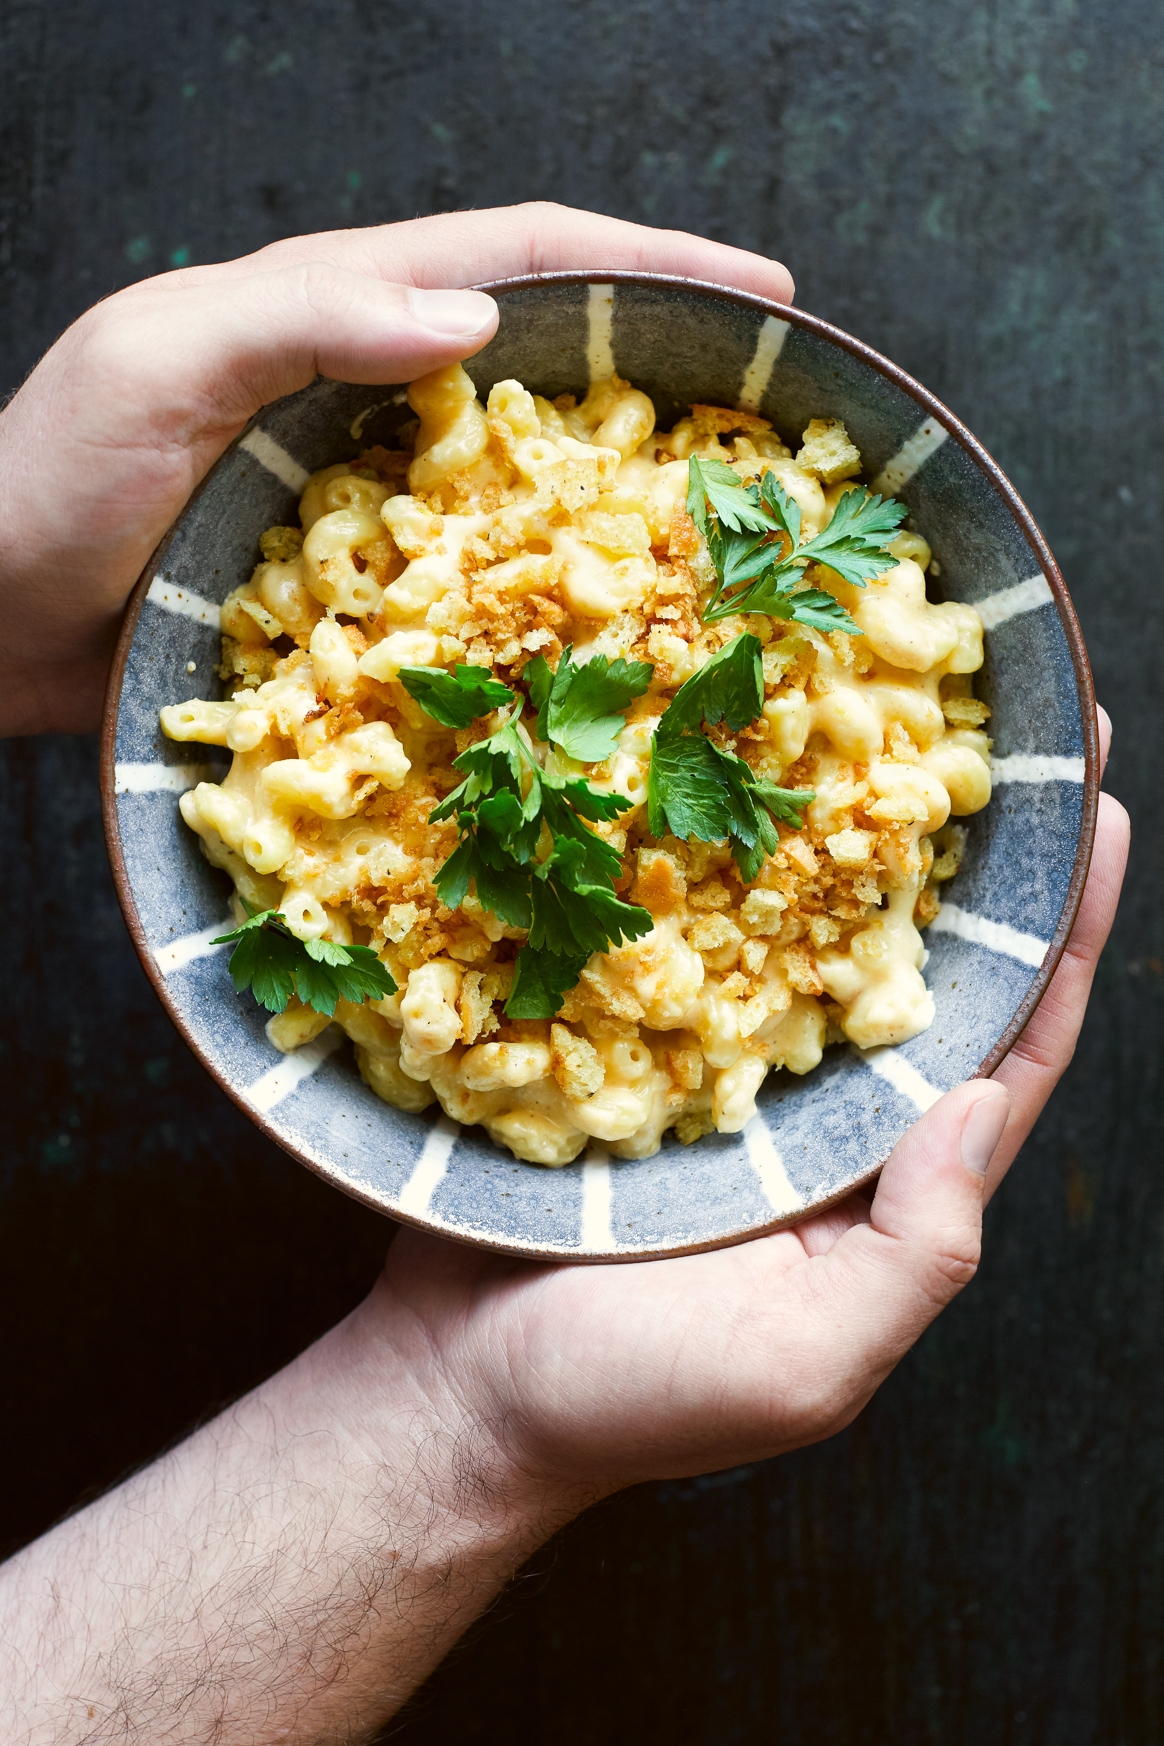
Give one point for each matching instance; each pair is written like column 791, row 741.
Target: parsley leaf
column 784, row 509
column 785, row 804
column 812, row 606
column 754, row 544
column 566, row 899
column 729, row 687
column 737, row 506
column 853, row 544
column 572, row 909
column 685, row 794
column 698, row 789
column 264, row 960
column 494, row 764
column 486, row 859
column 455, row 699
column 274, row 964
column 580, row 708
column 540, row 980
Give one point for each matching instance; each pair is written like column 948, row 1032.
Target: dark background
column 973, row 188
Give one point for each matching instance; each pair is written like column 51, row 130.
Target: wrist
column 439, row 1442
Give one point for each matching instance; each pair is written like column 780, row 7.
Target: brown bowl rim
column 1084, row 684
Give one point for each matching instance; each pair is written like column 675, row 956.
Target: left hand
column 130, row 409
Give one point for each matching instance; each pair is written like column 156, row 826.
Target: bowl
column 992, row 950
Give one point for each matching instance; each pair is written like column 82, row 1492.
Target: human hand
column 115, row 427
column 591, row 1378
column 300, row 1564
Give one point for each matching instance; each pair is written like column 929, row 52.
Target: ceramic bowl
column 991, row 952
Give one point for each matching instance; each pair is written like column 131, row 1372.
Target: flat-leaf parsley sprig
column 275, row 964
column 753, row 536
column 566, row 898
column 508, row 808
column 697, row 789
column 455, row 699
column 580, row 708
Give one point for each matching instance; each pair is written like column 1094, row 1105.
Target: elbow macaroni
column 512, row 529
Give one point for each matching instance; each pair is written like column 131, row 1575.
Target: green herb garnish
column 275, row 964
column 580, row 708
column 540, row 981
column 697, row 789
column 508, row 808
column 754, row 542
column 458, row 698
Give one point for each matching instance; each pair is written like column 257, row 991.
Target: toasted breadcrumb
column 965, row 711
column 244, row 665
column 686, row 1067
column 475, row 1005
column 827, row 453
column 575, row 1063
column 281, row 544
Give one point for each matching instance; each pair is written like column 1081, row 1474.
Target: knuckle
column 544, row 209
column 951, row 1268
column 1048, row 1050
column 107, row 338
column 822, row 1404
column 315, row 282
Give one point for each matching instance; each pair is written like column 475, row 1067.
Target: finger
column 471, row 248
column 234, row 345
column 883, row 1282
column 1036, row 1063
column 818, row 1233
column 1048, row 1040
column 1103, row 722
column 1034, row 1066
column 182, row 375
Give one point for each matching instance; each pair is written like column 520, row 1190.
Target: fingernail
column 457, row 314
column 982, row 1129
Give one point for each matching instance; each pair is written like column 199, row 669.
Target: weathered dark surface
column 974, row 189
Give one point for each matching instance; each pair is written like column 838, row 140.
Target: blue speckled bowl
column 991, row 952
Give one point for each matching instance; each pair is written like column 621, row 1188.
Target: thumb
column 893, row 1275
column 203, row 358
column 135, row 403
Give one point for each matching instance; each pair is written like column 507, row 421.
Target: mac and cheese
column 516, row 528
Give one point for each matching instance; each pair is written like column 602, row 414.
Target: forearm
column 290, row 1572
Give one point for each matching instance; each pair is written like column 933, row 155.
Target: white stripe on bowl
column 275, row 459
column 356, row 428
column 1025, row 596
column 279, row 1082
column 599, row 346
column 913, row 454
column 1035, row 767
column 184, row 602
column 597, row 1235
column 897, row 1071
column 769, row 344
column 429, row 1169
column 995, row 936
column 184, row 951
column 159, row 778
column 766, row 1161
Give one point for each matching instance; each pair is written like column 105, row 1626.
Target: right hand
column 586, row 1379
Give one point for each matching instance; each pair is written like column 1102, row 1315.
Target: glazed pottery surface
column 991, row 952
